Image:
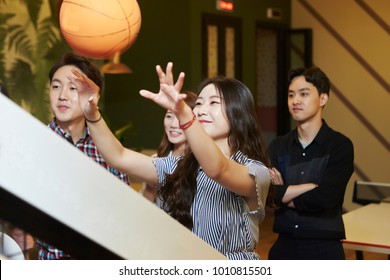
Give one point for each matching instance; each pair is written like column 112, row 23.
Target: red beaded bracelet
column 186, row 125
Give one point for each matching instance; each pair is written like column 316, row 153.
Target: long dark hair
column 245, row 135
column 165, row 146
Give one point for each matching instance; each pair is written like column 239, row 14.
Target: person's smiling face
column 64, row 101
column 210, row 112
column 175, row 135
column 304, row 101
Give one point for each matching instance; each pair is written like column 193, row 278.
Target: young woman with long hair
column 218, row 189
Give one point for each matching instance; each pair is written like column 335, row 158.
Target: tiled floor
column 267, row 238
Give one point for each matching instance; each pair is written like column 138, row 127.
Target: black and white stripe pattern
column 221, row 217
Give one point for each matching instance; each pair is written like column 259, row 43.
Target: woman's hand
column 169, row 96
column 88, row 94
column 276, row 177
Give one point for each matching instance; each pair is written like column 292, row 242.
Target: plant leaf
column 34, row 9
column 21, row 81
column 19, row 40
column 5, row 17
column 122, row 133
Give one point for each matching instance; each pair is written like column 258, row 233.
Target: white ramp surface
column 45, row 173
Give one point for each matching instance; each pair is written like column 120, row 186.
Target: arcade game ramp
column 53, row 191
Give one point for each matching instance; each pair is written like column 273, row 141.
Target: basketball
column 99, row 29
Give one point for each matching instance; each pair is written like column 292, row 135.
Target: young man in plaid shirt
column 69, row 123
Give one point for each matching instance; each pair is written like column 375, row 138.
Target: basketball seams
column 92, row 36
column 125, row 17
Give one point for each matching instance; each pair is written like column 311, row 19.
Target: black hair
column 165, row 146
column 245, row 135
column 84, row 64
column 312, row 75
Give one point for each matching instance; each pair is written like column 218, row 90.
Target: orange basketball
column 100, row 28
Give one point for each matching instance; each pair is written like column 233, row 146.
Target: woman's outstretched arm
column 134, row 164
column 210, row 153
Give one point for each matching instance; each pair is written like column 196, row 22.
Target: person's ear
column 323, row 99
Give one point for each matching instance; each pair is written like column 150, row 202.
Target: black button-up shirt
column 328, row 162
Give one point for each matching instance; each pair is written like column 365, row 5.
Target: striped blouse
column 222, row 218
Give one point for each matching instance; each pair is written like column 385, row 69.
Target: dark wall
column 171, row 31
column 163, row 37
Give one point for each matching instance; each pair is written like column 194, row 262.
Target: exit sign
column 225, row 5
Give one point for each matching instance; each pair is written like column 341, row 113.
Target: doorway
column 221, row 50
column 277, row 51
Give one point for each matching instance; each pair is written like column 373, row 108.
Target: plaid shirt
column 86, row 145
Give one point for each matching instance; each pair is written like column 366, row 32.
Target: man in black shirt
column 312, row 167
